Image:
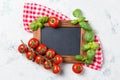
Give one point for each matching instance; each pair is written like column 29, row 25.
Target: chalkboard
column 65, row 41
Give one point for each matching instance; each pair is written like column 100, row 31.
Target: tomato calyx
column 32, row 43
column 79, row 67
column 53, row 20
column 42, row 50
column 54, row 58
column 22, row 51
column 31, row 57
column 49, row 54
column 58, row 59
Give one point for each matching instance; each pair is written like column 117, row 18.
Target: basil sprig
column 81, row 20
column 90, row 47
column 38, row 23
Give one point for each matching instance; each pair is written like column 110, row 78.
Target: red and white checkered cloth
column 33, row 11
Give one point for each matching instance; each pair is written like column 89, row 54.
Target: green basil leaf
column 74, row 22
column 77, row 13
column 85, row 26
column 90, row 54
column 40, row 19
column 89, row 36
column 33, row 26
column 78, row 57
column 85, row 47
column 45, row 19
column 93, row 45
column 82, row 19
column 84, row 59
column 39, row 24
column 88, row 62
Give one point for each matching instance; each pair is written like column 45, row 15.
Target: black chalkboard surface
column 65, row 41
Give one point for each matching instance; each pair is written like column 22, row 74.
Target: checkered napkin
column 32, row 11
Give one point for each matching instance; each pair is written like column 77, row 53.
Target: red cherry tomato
column 33, row 43
column 22, row 48
column 56, row 69
column 47, row 64
column 57, row 59
column 50, row 53
column 41, row 49
column 53, row 22
column 39, row 60
column 30, row 55
column 77, row 68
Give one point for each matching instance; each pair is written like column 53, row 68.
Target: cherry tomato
column 50, row 53
column 39, row 60
column 77, row 68
column 56, row 69
column 53, row 22
column 41, row 49
column 57, row 59
column 33, row 43
column 30, row 55
column 47, row 64
column 22, row 48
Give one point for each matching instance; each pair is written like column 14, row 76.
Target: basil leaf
column 89, row 36
column 33, row 26
column 40, row 19
column 39, row 25
column 90, row 54
column 93, row 45
column 88, row 62
column 77, row 13
column 85, row 26
column 78, row 57
column 81, row 19
column 84, row 59
column 44, row 19
column 85, row 47
column 74, row 22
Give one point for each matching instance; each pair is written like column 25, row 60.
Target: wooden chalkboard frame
column 66, row 24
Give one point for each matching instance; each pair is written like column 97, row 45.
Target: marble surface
column 104, row 16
